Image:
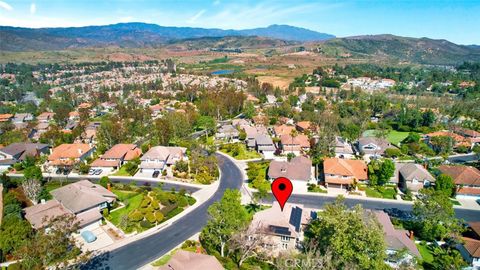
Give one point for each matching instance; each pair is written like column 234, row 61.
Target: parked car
column 155, row 174
column 91, row 172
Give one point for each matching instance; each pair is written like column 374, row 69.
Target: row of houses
column 67, row 156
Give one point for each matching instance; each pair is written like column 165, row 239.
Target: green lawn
column 134, row 203
column 455, row 202
column 239, row 151
column 426, row 252
column 162, row 261
column 386, row 193
column 52, row 185
column 394, row 137
column 121, row 172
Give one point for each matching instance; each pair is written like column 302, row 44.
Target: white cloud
column 5, row 6
column 216, row 2
column 196, row 16
column 33, row 8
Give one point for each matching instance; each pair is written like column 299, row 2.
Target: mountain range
column 134, row 35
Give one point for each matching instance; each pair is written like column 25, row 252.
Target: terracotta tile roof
column 66, row 151
column 283, row 130
column 466, row 132
column 300, row 139
column 468, row 191
column 472, row 246
column 462, row 175
column 304, row 125
column 346, row 167
column 459, row 139
column 45, row 116
column 475, row 226
column 85, row 105
column 5, row 117
column 126, row 151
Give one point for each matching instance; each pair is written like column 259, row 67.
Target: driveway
column 145, row 250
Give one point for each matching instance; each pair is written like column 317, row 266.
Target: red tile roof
column 472, row 246
column 462, row 175
column 346, row 167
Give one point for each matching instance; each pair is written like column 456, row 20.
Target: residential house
column 38, row 130
column 45, row 117
column 397, row 241
column 18, row 152
column 283, row 129
column 116, row 156
column 458, row 140
column 373, row 146
column 470, row 249
column 228, row 133
column 271, row 99
column 192, row 261
column 69, row 155
column 6, row 117
column 472, row 135
column 156, row 110
column 343, row 149
column 466, row 178
column 281, row 231
column 252, row 133
column 305, row 126
column 158, row 157
column 240, row 123
column 411, row 176
column 265, row 146
column 81, row 199
column 295, row 144
column 299, row 170
column 22, row 118
column 342, row 173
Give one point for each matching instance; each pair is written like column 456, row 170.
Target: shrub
column 182, row 202
column 165, row 210
column 174, row 212
column 393, row 152
column 145, row 202
column 150, row 217
column 135, row 216
column 145, row 224
column 155, row 204
column 191, row 200
column 105, row 212
column 104, row 181
column 181, row 166
column 18, row 166
column 159, row 216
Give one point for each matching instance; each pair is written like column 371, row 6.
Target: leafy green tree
column 445, row 185
column 104, row 181
column 227, row 216
column 442, row 144
column 337, row 226
column 412, row 138
column 33, row 172
column 447, row 259
column 380, row 172
column 436, row 217
column 249, row 110
column 14, row 232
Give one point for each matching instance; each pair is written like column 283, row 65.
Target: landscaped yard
column 144, row 209
column 257, row 175
column 426, row 252
column 381, row 192
column 394, row 137
column 239, row 151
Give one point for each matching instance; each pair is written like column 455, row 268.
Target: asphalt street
column 145, row 250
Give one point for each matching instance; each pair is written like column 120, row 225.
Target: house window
column 284, row 246
column 285, row 238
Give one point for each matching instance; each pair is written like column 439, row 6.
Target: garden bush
column 145, row 202
column 135, row 216
column 150, row 217
column 173, row 213
column 182, row 202
column 159, row 216
column 155, row 204
column 146, row 224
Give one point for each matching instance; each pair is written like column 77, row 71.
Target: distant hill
column 228, row 43
column 133, row 35
column 404, row 49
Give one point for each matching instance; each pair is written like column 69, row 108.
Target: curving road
column 145, row 250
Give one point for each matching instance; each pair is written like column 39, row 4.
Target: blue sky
column 457, row 21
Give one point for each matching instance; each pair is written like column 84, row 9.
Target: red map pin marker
column 282, row 189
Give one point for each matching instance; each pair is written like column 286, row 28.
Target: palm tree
column 293, row 134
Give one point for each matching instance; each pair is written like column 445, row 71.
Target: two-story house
column 372, row 146
column 343, row 173
column 298, row 170
column 66, row 156
column 116, row 156
column 411, row 176
column 18, row 152
column 158, row 157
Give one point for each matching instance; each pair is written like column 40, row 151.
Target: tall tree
column 227, row 217
column 353, row 236
column 445, row 185
column 436, row 216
